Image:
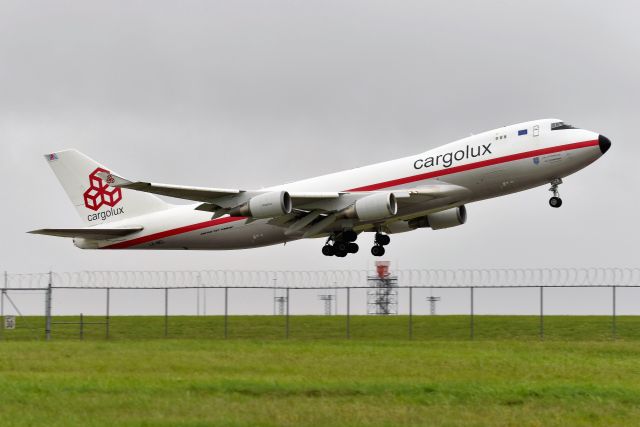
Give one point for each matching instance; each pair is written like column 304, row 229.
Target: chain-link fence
column 428, row 304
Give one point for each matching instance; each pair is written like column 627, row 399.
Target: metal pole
column 166, row 312
column 287, row 319
column 81, row 327
column 348, row 313
column 541, row 312
column 410, row 313
column 204, row 301
column 613, row 323
column 226, row 313
column 471, row 326
column 47, row 310
column 6, row 282
column 108, row 319
column 197, row 301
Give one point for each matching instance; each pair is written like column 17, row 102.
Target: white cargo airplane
column 428, row 190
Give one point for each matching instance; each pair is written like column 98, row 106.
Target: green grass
column 507, row 376
column 454, row 328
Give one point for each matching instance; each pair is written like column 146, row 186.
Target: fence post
column 166, row 312
column 541, row 312
column 81, row 327
column 108, row 318
column 410, row 312
column 613, row 323
column 198, row 289
column 287, row 318
column 226, row 313
column 198, row 302
column 348, row 313
column 47, row 309
column 471, row 325
column 6, row 281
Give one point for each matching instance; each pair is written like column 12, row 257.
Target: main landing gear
column 343, row 244
column 555, row 201
column 380, row 242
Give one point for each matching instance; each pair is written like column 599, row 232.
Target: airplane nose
column 604, row 143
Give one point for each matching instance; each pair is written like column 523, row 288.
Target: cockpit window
column 561, row 125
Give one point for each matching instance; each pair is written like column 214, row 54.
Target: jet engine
column 267, row 205
column 373, row 207
column 443, row 219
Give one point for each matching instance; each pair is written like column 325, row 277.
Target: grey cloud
column 254, row 93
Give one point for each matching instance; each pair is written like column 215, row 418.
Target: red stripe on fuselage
column 372, row 187
column 476, row 165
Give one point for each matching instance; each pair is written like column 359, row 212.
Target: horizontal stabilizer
column 88, row 233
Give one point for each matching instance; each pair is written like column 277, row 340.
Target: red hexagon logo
column 99, row 193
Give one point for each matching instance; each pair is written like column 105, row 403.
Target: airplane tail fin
column 95, row 201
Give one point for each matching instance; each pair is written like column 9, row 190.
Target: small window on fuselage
column 561, row 125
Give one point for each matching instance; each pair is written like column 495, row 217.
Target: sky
column 248, row 94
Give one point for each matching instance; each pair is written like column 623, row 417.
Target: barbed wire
column 505, row 277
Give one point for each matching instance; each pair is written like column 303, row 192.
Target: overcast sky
column 246, row 94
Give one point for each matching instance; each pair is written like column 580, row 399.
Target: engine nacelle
column 373, row 207
column 267, row 205
column 443, row 219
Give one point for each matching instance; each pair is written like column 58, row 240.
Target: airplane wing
column 212, row 198
column 409, row 201
column 313, row 213
column 430, row 192
column 87, row 233
column 197, row 194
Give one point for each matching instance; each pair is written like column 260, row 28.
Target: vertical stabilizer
column 95, row 201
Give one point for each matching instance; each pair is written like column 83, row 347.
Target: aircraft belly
column 237, row 236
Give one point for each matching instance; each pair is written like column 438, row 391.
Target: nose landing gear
column 555, row 201
column 380, row 242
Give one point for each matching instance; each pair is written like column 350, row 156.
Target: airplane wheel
column 377, row 251
column 349, row 236
column 555, row 202
column 340, row 254
column 328, row 250
column 383, row 239
column 341, row 247
column 352, row 248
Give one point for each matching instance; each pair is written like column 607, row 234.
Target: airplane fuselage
column 491, row 164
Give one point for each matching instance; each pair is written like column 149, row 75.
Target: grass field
column 507, row 376
column 448, row 328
